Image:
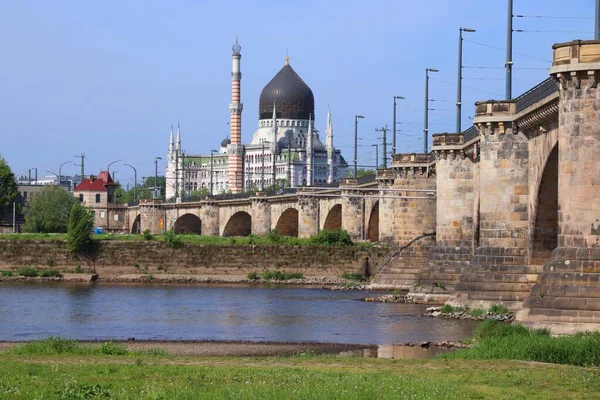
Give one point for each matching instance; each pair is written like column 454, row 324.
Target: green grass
column 27, row 272
column 59, row 346
column 352, row 276
column 326, row 239
column 494, row 340
column 298, row 377
column 7, row 273
column 280, row 276
column 499, row 309
column 48, row 273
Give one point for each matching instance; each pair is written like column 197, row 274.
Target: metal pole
column 426, row 124
column 384, row 156
column 597, row 34
column 509, row 43
column 36, row 176
column 459, row 83
column 14, row 217
column 155, row 175
column 262, row 172
column 355, row 145
column 394, row 129
column 211, row 172
column 134, row 181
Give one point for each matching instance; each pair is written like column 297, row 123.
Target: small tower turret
column 309, row 153
column 330, row 148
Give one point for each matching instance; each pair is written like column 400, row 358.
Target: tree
column 360, row 172
column 81, row 223
column 48, row 210
column 8, row 187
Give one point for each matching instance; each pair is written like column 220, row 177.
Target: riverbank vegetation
column 323, row 238
column 113, row 375
column 494, row 340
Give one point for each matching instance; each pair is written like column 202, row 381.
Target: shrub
column 47, row 273
column 498, row 309
column 273, row 237
column 48, row 211
column 490, row 328
column 147, row 235
column 27, row 272
column 477, row 313
column 7, row 273
column 337, row 237
column 352, row 276
column 253, row 276
column 171, row 239
column 280, row 276
column 78, row 270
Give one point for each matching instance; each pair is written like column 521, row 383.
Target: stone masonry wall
column 134, row 257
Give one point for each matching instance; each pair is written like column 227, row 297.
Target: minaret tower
column 171, row 162
column 309, row 153
column 329, row 147
column 179, row 165
column 235, row 149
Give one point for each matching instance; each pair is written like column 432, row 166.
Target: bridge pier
column 261, row 215
column 499, row 270
column 566, row 297
column 209, row 214
column 308, row 216
column 455, row 165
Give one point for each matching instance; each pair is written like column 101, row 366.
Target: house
column 97, row 193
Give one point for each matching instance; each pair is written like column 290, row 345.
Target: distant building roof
column 96, row 184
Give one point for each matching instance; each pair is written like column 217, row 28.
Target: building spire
column 287, row 58
column 329, row 147
column 171, row 141
column 178, row 137
column 309, row 153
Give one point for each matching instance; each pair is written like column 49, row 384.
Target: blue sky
column 108, row 78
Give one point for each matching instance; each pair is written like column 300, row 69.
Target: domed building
column 285, row 150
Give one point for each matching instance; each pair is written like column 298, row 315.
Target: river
column 238, row 313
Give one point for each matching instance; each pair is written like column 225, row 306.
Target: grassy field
column 299, row 377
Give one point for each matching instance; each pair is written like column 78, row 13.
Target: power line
column 468, row 87
column 501, row 49
column 550, row 17
column 540, row 31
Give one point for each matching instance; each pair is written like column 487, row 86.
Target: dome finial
column 287, row 58
column 236, row 47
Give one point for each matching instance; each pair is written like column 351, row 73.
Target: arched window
column 80, row 198
column 98, row 198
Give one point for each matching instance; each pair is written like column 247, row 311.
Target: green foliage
column 78, row 270
column 75, row 391
column 27, row 272
column 477, row 312
column 360, row 172
column 352, row 276
column 48, row 210
column 58, row 345
column 81, row 224
column 337, row 237
column 171, row 239
column 49, row 273
column 447, row 309
column 112, row 349
column 274, row 237
column 496, row 340
column 253, row 276
column 200, row 194
column 7, row 273
column 280, row 276
column 498, row 309
column 8, row 187
column 147, row 235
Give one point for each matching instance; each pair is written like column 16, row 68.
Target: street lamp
column 426, row 127
column 134, row 181
column 211, row 170
column 156, row 174
column 59, row 172
column 394, row 126
column 108, row 168
column 50, row 172
column 376, row 155
column 356, row 117
column 459, row 83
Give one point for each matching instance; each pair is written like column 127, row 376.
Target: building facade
column 286, row 150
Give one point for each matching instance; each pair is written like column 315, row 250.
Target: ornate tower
column 171, row 167
column 235, row 150
column 309, row 153
column 329, row 147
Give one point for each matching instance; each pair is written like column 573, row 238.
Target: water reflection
column 99, row 311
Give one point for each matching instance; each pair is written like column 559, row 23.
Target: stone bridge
column 354, row 208
column 505, row 212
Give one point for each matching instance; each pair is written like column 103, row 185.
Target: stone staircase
column 444, row 268
column 496, row 276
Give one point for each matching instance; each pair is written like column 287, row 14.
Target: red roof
column 96, row 184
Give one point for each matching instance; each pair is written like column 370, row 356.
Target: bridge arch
column 373, row 227
column 188, row 224
column 135, row 227
column 334, row 218
column 240, row 224
column 545, row 212
column 287, row 225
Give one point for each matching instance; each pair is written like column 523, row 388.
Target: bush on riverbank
column 48, row 273
column 495, row 340
column 352, row 276
column 28, row 272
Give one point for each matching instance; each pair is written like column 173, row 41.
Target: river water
column 282, row 314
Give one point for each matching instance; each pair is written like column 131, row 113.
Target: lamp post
column 459, row 83
column 59, row 172
column 156, row 174
column 211, row 169
column 134, row 181
column 597, row 32
column 394, row 126
column 356, row 117
column 108, row 168
column 50, row 172
column 509, row 44
column 376, row 155
column 426, row 125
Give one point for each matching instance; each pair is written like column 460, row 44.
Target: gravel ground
column 234, row 349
